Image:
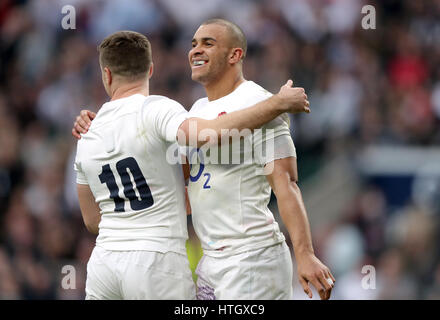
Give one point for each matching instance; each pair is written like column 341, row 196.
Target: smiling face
column 208, row 57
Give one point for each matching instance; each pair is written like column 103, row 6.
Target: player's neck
column 220, row 88
column 128, row 89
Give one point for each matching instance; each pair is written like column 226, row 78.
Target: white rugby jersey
column 122, row 159
column 229, row 201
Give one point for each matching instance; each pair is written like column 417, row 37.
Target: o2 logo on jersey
column 199, row 174
column 122, row 166
column 201, row 169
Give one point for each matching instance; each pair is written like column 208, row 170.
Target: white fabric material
column 138, row 275
column 262, row 274
column 127, row 133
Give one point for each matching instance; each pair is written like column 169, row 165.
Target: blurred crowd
column 366, row 87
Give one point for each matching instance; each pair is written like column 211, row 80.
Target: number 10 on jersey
column 123, row 167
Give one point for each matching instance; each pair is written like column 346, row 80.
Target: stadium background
column 369, row 161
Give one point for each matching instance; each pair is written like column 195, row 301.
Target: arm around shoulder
column 196, row 132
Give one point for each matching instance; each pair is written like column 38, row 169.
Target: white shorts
column 136, row 275
column 262, row 274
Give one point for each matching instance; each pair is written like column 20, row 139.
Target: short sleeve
column 80, row 176
column 273, row 141
column 166, row 116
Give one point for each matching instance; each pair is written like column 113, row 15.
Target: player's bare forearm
column 293, row 213
column 294, row 216
column 283, row 181
column 196, row 131
column 288, row 99
column 89, row 208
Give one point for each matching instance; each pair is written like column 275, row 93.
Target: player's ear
column 236, row 55
column 150, row 72
column 107, row 75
